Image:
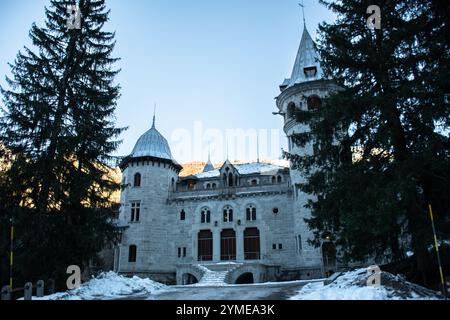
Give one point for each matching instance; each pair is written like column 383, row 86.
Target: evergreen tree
column 382, row 145
column 58, row 123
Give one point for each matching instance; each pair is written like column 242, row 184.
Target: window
column 274, row 246
column 137, row 180
column 184, row 252
column 135, row 211
column 179, row 252
column 227, row 214
column 205, row 245
column 310, row 71
column 208, row 186
column 254, row 182
column 291, row 110
column 183, row 215
column 251, row 213
column 132, row 251
column 251, row 244
column 214, row 185
column 275, row 210
column 299, row 241
column 274, row 179
column 173, row 184
column 314, row 102
column 191, row 186
column 206, row 215
column 280, row 246
column 279, row 179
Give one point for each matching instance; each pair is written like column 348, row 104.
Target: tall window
column 135, row 211
column 291, row 110
column 274, row 179
column 227, row 214
column 251, row 244
column 228, row 245
column 183, row 215
column 137, row 180
column 206, row 215
column 251, row 213
column 279, row 179
column 205, row 245
column 132, row 252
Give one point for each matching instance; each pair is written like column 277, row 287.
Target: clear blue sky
column 219, row 62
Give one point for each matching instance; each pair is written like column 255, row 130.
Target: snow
column 245, row 169
column 352, row 286
column 108, row 285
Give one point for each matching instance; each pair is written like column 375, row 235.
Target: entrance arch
column 245, row 278
column 251, row 244
column 188, row 279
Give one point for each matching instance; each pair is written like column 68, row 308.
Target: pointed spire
column 303, row 11
column 154, row 117
column 307, row 63
column 209, row 166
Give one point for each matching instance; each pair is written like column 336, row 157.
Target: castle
column 244, row 222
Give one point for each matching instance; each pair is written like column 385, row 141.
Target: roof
column 307, row 57
column 244, row 169
column 152, row 144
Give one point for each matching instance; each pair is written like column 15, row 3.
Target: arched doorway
column 227, row 245
column 205, row 245
column 189, row 279
column 245, row 278
column 251, row 244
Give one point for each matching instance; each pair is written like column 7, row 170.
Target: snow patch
column 108, row 285
column 352, row 286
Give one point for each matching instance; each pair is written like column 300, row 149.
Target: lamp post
column 11, row 254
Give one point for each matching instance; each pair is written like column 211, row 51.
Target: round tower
column 149, row 175
column 304, row 90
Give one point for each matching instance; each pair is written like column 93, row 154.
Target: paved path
column 269, row 291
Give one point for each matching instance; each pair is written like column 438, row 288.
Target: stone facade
column 246, row 218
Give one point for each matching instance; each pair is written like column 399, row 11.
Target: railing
column 252, row 255
column 227, row 257
column 283, row 187
column 10, row 294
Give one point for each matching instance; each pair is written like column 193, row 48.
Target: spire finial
column 257, row 146
column 303, row 11
column 209, row 151
column 154, row 116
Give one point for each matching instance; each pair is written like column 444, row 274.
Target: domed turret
column 152, row 144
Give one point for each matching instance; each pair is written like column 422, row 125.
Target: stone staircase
column 216, row 274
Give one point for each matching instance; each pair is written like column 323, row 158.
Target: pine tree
column 382, row 146
column 58, row 123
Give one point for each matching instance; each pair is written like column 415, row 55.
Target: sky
column 213, row 69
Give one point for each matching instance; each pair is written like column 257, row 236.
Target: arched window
column 227, row 214
column 173, row 184
column 251, row 213
column 206, row 215
column 254, row 182
column 183, row 215
column 230, row 180
column 208, row 186
column 132, row 253
column 291, row 110
column 214, row 185
column 274, row 179
column 279, row 179
column 314, row 102
column 137, row 180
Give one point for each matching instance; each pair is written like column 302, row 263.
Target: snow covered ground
column 353, row 286
column 108, row 285
column 349, row 286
